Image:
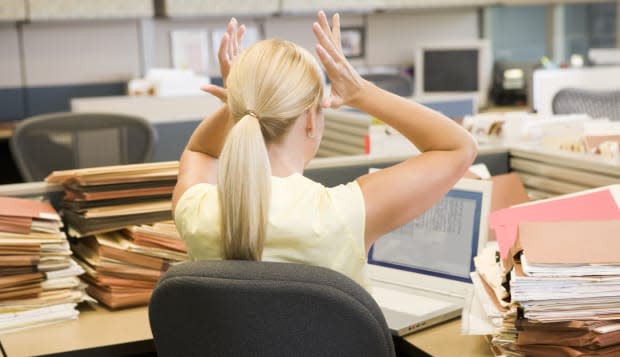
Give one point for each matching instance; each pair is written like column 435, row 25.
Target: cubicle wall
column 45, row 63
column 11, row 85
column 547, row 173
column 340, row 170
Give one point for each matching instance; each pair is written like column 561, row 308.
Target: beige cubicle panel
column 12, row 10
column 88, row 9
column 547, row 173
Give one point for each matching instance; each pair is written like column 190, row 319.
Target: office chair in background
column 245, row 308
column 61, row 141
column 595, row 103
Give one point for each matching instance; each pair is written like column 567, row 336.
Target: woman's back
column 307, row 223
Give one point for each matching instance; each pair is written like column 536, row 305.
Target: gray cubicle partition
column 340, row 170
column 172, row 139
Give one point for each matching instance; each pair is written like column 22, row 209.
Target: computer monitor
column 443, row 241
column 445, row 69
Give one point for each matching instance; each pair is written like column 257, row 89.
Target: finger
column 222, row 53
column 327, row 60
column 240, row 34
column 231, row 30
column 205, row 87
column 324, row 24
column 216, row 91
column 336, row 30
column 235, row 42
column 335, row 102
column 325, row 42
column 326, row 102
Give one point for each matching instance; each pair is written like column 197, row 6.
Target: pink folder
column 589, row 205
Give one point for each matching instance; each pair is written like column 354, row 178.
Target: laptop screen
column 441, row 242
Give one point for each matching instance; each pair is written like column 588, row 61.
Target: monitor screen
column 441, row 242
column 451, row 70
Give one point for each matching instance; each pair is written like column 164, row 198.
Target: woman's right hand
column 229, row 50
column 346, row 83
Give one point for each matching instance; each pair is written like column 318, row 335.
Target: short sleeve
column 349, row 204
column 187, row 211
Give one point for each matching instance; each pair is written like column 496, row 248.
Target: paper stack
column 108, row 198
column 39, row 282
column 556, row 280
column 122, row 267
column 120, row 216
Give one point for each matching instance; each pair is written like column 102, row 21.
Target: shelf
column 88, row 9
column 12, row 10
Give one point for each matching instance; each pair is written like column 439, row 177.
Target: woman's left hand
column 230, row 48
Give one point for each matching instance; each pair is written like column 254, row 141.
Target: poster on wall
column 190, row 50
column 352, row 39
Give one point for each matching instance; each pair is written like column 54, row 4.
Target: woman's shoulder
column 195, row 195
column 300, row 182
column 300, row 188
column 198, row 189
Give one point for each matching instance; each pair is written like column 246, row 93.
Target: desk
column 99, row 331
column 446, row 340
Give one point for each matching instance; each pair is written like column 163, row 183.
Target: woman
column 240, row 193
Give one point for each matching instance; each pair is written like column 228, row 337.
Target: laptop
column 419, row 273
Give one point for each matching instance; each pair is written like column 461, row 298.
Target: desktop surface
column 97, row 331
column 446, row 340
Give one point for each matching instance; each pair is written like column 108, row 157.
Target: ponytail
column 244, row 188
column 269, row 86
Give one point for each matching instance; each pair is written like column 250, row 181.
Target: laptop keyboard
column 406, row 302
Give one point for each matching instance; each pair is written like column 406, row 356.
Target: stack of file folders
column 39, row 282
column 119, row 220
column 554, row 287
column 108, row 198
column 122, row 267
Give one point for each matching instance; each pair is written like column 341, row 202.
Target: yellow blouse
column 308, row 223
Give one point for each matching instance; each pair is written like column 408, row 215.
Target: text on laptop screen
column 441, row 242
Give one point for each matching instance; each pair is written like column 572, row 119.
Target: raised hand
column 229, row 50
column 345, row 81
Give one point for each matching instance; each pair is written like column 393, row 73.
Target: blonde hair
column 269, row 86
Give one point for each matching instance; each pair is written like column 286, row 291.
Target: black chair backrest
column 241, row 308
column 62, row 141
column 595, row 103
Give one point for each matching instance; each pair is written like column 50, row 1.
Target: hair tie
column 251, row 112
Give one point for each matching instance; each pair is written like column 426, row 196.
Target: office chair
column 245, row 308
column 61, row 141
column 595, row 103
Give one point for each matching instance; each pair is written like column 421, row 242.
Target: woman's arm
column 199, row 159
column 398, row 194
column 198, row 162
